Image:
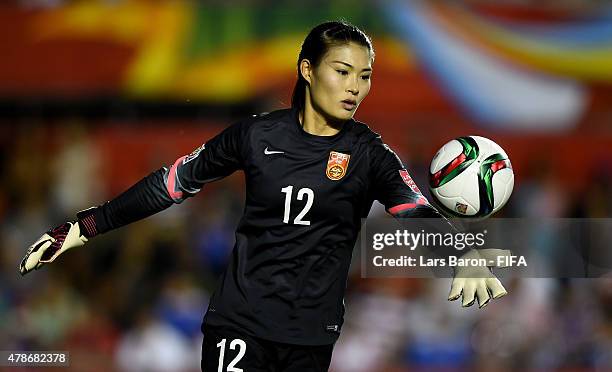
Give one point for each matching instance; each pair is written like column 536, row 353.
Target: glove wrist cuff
column 87, row 223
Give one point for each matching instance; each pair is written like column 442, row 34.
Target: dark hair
column 318, row 41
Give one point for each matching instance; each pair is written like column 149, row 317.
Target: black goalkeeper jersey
column 305, row 198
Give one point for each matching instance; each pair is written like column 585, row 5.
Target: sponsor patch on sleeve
column 194, row 154
column 408, row 181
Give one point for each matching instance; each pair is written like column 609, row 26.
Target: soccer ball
column 471, row 177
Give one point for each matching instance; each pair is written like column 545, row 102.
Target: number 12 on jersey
column 288, row 191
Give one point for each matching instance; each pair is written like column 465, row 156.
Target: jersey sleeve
column 217, row 158
column 393, row 187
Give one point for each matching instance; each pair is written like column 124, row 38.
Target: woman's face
column 341, row 81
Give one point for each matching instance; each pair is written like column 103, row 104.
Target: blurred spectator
column 155, row 346
column 76, row 169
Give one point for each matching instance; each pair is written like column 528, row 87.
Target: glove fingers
column 32, row 258
column 456, row 289
column 52, row 244
column 469, row 290
column 496, row 288
column 483, row 294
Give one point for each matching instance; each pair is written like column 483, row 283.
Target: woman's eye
column 342, row 72
column 366, row 77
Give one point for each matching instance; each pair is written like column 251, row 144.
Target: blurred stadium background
column 94, row 95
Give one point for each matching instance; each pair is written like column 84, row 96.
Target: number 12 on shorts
column 241, row 350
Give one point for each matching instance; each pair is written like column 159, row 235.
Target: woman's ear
column 306, row 70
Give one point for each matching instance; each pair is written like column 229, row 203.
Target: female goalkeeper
column 312, row 173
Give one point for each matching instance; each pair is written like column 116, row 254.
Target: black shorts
column 231, row 350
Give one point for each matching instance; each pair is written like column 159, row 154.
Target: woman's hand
column 475, row 279
column 50, row 245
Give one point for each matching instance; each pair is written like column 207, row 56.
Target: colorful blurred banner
column 505, row 66
column 526, row 75
column 171, row 49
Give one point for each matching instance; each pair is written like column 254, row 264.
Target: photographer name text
column 450, row 261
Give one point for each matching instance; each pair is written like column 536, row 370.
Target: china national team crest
column 337, row 165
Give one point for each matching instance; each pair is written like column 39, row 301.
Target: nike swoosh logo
column 269, row 152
